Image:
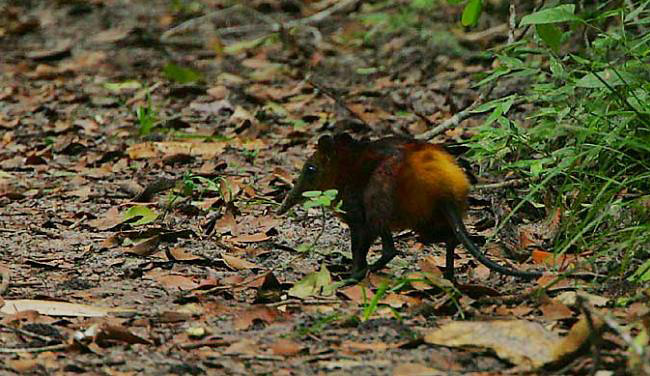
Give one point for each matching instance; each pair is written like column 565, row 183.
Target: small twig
column 265, row 24
column 337, row 98
column 59, row 347
column 455, row 120
column 298, row 301
column 27, row 333
column 512, row 23
column 324, row 14
column 505, row 299
column 258, row 357
column 206, row 343
column 503, row 184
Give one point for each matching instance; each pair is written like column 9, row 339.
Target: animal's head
column 320, row 170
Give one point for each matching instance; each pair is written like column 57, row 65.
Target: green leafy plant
column 186, row 7
column 586, row 145
column 320, row 324
column 195, row 185
column 371, row 306
column 180, row 74
column 147, row 117
column 250, row 155
column 322, row 200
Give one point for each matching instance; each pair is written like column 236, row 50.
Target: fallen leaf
column 110, row 219
column 111, row 332
column 425, row 281
column 398, row 300
column 182, row 254
column 238, row 263
column 570, row 298
column 540, row 256
column 172, row 281
column 244, row 319
column 312, row 284
column 555, row 310
column 23, row 366
column 357, row 293
column 54, row 308
column 205, row 150
column 285, row 347
column 146, row 247
column 524, row 343
column 243, row 347
column 429, row 264
column 139, row 215
column 219, row 107
column 111, row 35
column 254, row 238
column 415, row 369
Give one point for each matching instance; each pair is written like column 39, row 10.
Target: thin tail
column 455, row 221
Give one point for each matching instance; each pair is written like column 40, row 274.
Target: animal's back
column 429, row 177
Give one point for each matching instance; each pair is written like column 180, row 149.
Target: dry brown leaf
column 23, row 366
column 182, row 254
column 415, row 369
column 430, row 264
column 110, row 219
column 244, row 319
column 146, row 247
column 172, row 281
column 398, row 300
column 555, row 310
column 418, row 281
column 238, row 263
column 53, row 308
column 243, row 347
column 227, row 223
column 254, row 238
column 524, row 343
column 570, row 298
column 108, row 332
column 357, row 293
column 205, row 150
column 285, row 347
column 218, row 92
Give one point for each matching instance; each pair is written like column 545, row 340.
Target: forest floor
column 137, row 225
